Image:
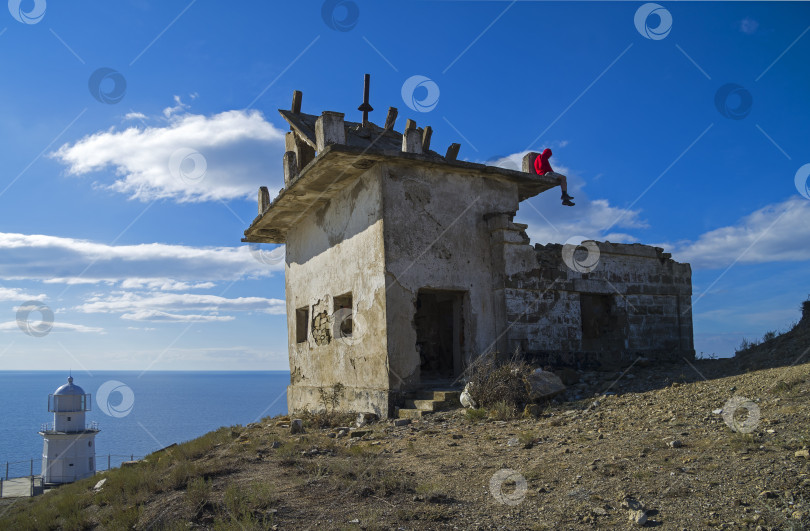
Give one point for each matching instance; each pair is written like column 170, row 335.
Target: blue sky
column 123, row 201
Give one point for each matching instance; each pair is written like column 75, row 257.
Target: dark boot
column 567, row 202
column 566, row 197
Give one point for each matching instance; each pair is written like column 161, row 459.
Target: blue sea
column 136, row 413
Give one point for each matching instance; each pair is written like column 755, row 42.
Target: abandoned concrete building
column 403, row 265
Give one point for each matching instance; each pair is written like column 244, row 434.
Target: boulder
column 297, row 426
column 638, row 517
column 364, row 419
column 544, row 385
column 466, row 398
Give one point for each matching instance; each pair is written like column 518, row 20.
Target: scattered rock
column 364, row 419
column 359, row 433
column 544, row 385
column 402, row 422
column 804, row 452
column 466, row 398
column 637, row 516
column 675, row 444
column 297, row 426
column 275, row 444
column 513, row 442
column 767, row 494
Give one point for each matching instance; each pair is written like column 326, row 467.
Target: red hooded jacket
column 541, row 164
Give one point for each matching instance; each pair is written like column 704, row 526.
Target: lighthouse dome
column 69, row 389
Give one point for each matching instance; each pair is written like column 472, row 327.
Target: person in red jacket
column 543, row 167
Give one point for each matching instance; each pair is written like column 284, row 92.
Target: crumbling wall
column 599, row 307
column 437, row 237
column 333, row 250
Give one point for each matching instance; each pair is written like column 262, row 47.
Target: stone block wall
column 601, row 306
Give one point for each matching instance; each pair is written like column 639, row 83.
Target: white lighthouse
column 69, row 448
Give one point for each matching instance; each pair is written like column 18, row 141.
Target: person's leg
column 564, row 186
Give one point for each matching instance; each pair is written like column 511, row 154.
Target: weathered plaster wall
column 650, row 298
column 333, row 250
column 437, row 237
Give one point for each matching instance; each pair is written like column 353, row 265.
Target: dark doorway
column 602, row 323
column 439, row 333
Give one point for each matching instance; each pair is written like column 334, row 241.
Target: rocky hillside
column 791, row 348
column 714, row 444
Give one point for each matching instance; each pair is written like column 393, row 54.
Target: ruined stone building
column 403, row 265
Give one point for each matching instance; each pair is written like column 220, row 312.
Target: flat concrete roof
column 338, row 165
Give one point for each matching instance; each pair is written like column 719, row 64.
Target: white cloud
column 159, row 316
column 177, row 108
column 16, row 294
column 134, row 116
column 167, row 306
column 775, row 233
column 163, row 284
column 240, row 151
column 73, row 261
column 57, row 327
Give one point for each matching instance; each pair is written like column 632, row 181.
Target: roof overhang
column 338, row 165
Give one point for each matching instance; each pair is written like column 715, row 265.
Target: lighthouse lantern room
column 69, row 448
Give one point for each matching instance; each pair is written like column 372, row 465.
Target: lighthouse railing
column 32, row 468
column 48, row 427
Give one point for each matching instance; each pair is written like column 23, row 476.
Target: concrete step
column 424, row 405
column 405, row 413
column 451, row 397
